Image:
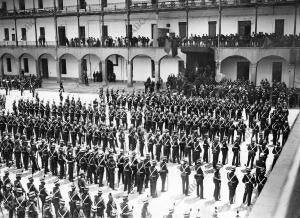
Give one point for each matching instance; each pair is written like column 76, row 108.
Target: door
column 42, row 31
column 244, row 28
column 45, row 70
column 82, row 33
column 82, row 4
column 109, row 70
column 182, row 29
column 63, row 65
column 22, row 4
column 84, row 65
column 23, row 31
column 62, row 35
column 276, row 71
column 130, row 31
column 4, row 6
column 279, row 27
column 40, row 4
column 26, row 65
column 60, row 4
column 243, row 70
column 212, row 28
column 6, row 34
column 104, row 31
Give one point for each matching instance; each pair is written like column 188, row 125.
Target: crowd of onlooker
column 109, row 41
column 236, row 40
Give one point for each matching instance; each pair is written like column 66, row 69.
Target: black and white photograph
column 149, row 108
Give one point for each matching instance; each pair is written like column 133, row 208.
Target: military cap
column 125, row 196
column 18, row 175
column 233, row 168
column 30, row 178
column 94, row 209
column 78, row 203
column 19, row 190
column 145, row 201
column 86, row 188
column 48, row 198
column 100, row 192
column 154, row 162
column 52, row 140
column 61, row 201
column 171, row 210
column 6, row 172
column 199, row 161
column 52, row 146
column 8, row 185
column 147, row 155
column 42, row 180
column 248, row 170
column 32, row 195
column 73, row 186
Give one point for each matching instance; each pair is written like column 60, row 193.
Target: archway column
column 157, row 71
column 291, row 72
column 57, row 66
column 80, row 79
column 1, row 68
column 253, row 72
column 129, row 74
column 104, row 72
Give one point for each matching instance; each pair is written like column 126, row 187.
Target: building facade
column 41, row 37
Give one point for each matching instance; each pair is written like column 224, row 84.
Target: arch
column 47, row 65
column 170, row 65
column 236, row 67
column 273, row 68
column 68, row 66
column 9, row 64
column 143, row 67
column 91, row 63
column 28, row 64
column 116, row 68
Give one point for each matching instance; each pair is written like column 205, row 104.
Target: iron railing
column 145, row 5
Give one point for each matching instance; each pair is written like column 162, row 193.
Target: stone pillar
column 80, row 79
column 219, row 76
column 18, row 66
column 104, row 73
column 1, row 68
column 157, row 71
column 37, row 66
column 57, row 67
column 253, row 72
column 129, row 74
column 291, row 72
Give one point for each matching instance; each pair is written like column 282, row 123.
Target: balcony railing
column 145, row 5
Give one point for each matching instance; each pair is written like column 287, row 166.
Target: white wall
column 14, row 70
column 168, row 66
column 229, row 67
column 297, row 76
column 264, row 69
column 31, row 65
column 141, row 68
column 48, row 24
column 121, row 69
column 93, row 64
column 30, row 30
column 51, row 65
column 72, row 67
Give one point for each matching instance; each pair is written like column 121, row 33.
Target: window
column 8, row 64
column 60, row 4
column 276, row 71
column 212, row 28
column 63, row 66
column 23, row 30
column 40, row 4
column 244, row 28
column 104, row 3
column 279, row 27
column 42, row 31
column 82, row 32
column 104, row 31
column 26, row 66
column 130, row 31
column 6, row 34
column 82, row 4
column 22, row 4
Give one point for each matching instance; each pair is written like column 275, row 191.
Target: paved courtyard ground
column 173, row 197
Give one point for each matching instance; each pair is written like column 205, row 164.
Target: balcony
column 142, row 6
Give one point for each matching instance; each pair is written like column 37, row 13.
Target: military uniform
column 86, row 203
column 232, row 184
column 163, row 173
column 185, row 172
column 100, row 204
column 153, row 179
column 217, row 182
column 249, row 182
column 199, row 176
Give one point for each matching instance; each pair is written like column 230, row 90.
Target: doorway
column 182, row 29
column 4, row 6
column 82, row 33
column 244, row 28
column 62, row 35
column 60, row 4
column 243, row 70
column 45, row 70
column 109, row 70
column 276, row 71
